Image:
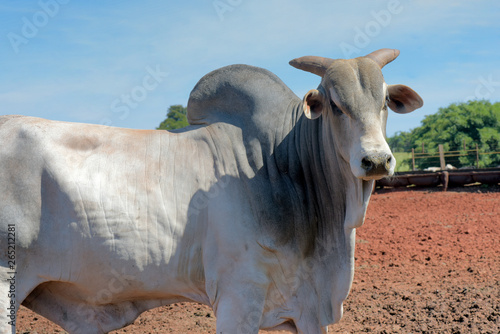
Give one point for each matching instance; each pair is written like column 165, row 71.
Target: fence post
column 445, row 178
column 477, row 156
column 441, row 157
column 413, row 159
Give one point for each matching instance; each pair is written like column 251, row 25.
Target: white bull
column 252, row 209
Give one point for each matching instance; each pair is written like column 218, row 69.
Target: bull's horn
column 383, row 56
column 313, row 64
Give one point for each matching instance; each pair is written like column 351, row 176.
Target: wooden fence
column 444, row 155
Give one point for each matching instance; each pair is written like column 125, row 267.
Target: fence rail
column 445, row 179
column 445, row 155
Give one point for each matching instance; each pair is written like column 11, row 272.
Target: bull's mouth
column 372, row 175
column 377, row 177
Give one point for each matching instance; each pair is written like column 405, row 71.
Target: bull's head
column 353, row 98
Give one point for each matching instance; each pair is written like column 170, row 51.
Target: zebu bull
column 252, row 209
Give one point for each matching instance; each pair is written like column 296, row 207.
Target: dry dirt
column 426, row 262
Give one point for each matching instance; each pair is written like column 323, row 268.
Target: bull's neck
column 317, row 176
column 335, row 198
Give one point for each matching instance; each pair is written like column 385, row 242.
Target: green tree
column 457, row 126
column 176, row 118
column 400, row 142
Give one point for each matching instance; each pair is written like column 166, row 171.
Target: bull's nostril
column 366, row 164
column 388, row 163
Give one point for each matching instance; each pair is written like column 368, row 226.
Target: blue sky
column 123, row 63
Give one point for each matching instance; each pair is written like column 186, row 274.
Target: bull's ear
column 403, row 99
column 314, row 103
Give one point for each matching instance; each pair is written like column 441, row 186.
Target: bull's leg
column 237, row 291
column 304, row 327
column 15, row 285
column 239, row 310
column 8, row 301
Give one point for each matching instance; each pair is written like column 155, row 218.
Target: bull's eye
column 386, row 101
column 336, row 110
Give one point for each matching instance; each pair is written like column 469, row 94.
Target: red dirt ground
column 426, row 262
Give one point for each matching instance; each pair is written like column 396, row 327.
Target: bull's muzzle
column 377, row 165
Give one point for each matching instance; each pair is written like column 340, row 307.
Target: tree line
column 459, row 128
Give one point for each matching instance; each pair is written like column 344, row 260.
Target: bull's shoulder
column 236, row 93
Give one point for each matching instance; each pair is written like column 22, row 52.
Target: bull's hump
column 235, row 92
